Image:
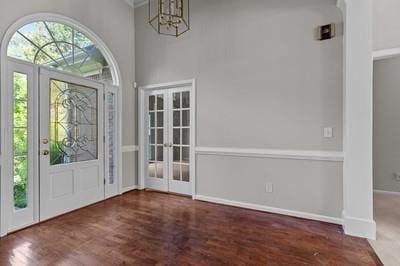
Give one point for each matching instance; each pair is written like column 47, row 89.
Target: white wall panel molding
column 335, row 156
column 263, row 208
column 386, row 53
column 130, row 148
column 394, row 193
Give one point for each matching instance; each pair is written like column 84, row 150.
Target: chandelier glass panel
column 169, row 17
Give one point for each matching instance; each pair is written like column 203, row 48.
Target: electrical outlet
column 269, row 188
column 397, row 176
column 328, row 132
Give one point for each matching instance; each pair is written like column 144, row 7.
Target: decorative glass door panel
column 168, row 140
column 73, row 123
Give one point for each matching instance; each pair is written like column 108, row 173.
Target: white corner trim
column 130, row 2
column 377, row 191
column 139, row 3
column 263, row 208
column 359, row 227
column 334, row 156
column 127, row 189
column 130, row 148
column 385, row 53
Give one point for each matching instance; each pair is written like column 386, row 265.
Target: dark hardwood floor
column 149, row 228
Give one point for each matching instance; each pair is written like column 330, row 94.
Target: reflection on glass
column 152, row 119
column 152, row 169
column 152, row 153
column 20, row 140
column 185, row 136
column 177, row 154
column 160, row 119
column 160, row 153
column 73, row 123
column 177, row 136
column 177, row 100
column 186, row 99
column 152, row 103
column 160, row 102
column 160, row 136
column 176, row 171
column 185, row 118
column 177, row 118
column 160, row 171
column 185, row 154
column 185, row 173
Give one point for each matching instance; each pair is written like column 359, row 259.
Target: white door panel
column 71, row 143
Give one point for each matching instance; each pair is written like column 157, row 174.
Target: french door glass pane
column 156, row 136
column 181, row 136
column 73, row 123
column 20, row 139
column 186, row 99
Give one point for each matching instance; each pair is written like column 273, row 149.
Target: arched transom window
column 59, row 46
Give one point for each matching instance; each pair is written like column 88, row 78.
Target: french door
column 71, row 143
column 169, row 144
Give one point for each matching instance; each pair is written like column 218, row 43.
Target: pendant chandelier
column 169, row 17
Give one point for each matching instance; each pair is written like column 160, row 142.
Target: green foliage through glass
column 20, row 140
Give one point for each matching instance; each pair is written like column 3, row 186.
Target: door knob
column 45, row 152
column 45, row 141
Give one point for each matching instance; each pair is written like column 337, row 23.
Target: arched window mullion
column 55, row 42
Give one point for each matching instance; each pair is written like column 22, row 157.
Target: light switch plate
column 328, row 132
column 269, row 188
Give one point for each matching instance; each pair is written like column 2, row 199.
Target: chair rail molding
column 334, row 156
column 130, row 148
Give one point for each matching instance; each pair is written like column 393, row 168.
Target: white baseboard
column 263, row 208
column 359, row 227
column 386, row 192
column 127, row 189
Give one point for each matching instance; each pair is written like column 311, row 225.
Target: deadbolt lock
column 45, row 152
column 45, row 141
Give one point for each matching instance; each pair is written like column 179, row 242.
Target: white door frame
column 142, row 127
column 5, row 188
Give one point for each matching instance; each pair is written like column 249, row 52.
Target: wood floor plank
column 150, row 228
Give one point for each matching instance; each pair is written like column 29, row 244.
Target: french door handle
column 168, row 145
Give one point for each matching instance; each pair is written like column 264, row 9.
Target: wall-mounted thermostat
column 326, row 32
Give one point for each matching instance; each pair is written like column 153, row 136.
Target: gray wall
column 113, row 22
column 387, row 124
column 262, row 82
column 386, row 24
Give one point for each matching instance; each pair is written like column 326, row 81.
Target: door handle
column 45, row 141
column 45, row 152
column 168, row 145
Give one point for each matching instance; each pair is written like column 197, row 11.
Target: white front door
column 71, row 143
column 169, row 142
